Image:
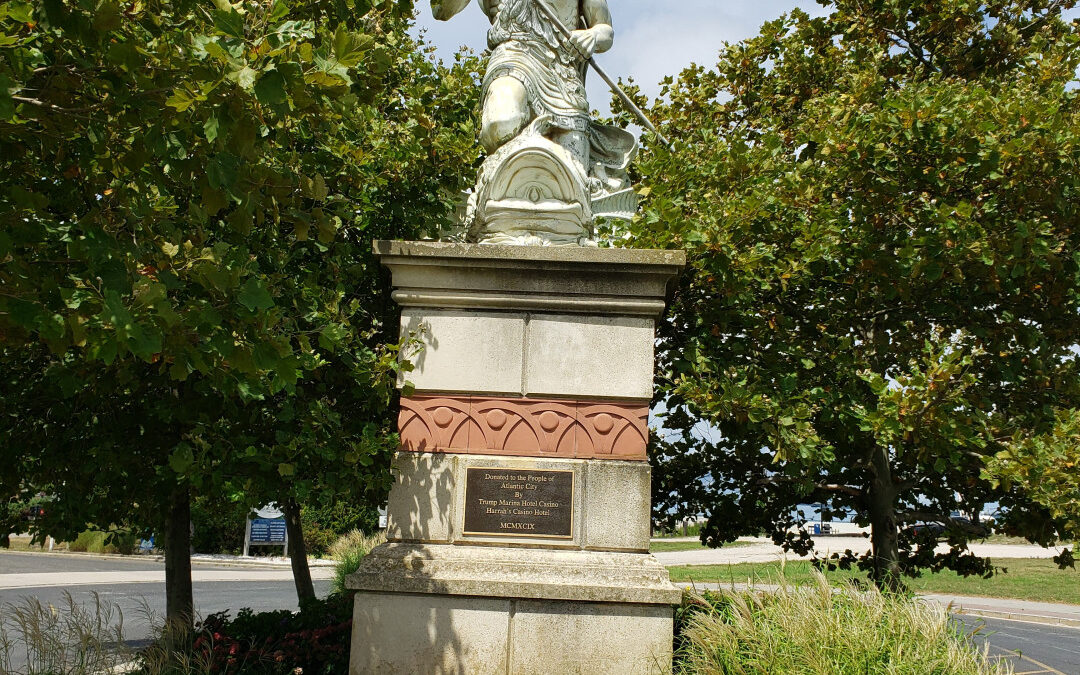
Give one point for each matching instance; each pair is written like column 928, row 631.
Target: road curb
column 312, row 562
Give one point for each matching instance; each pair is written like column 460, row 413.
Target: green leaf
column 210, row 128
column 244, row 77
column 285, row 469
column 183, row 98
column 223, row 170
column 144, row 342
column 178, row 371
column 229, row 22
column 21, row 11
column 107, row 17
column 53, row 327
column 270, row 89
column 8, row 89
column 181, row 459
column 349, row 47
column 278, row 11
column 254, row 296
column 332, row 335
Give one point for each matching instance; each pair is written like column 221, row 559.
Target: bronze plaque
column 507, row 502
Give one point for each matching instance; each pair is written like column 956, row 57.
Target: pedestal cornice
column 584, row 576
column 598, row 281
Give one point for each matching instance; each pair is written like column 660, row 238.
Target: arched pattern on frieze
column 431, row 424
column 524, row 427
column 612, row 429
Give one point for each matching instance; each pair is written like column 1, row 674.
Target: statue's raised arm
column 444, row 10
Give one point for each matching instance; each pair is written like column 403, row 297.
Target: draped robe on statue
column 526, row 47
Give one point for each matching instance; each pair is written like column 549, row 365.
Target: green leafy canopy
column 882, row 212
column 188, row 196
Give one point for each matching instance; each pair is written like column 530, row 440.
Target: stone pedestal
column 519, row 520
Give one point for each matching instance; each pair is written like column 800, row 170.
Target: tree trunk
column 305, row 590
column 179, row 606
column 883, row 525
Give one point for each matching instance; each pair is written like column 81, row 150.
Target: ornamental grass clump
column 348, row 551
column 820, row 629
column 75, row 638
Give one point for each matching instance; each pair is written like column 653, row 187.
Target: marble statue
column 550, row 169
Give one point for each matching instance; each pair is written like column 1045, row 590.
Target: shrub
column 314, row 640
column 71, row 638
column 348, row 551
column 819, row 629
column 218, row 525
column 97, row 541
column 324, row 523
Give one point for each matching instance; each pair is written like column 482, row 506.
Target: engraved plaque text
column 519, row 502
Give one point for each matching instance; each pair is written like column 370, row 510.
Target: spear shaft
column 616, row 89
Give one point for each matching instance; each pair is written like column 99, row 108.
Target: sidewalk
column 217, row 559
column 270, row 561
column 763, row 550
column 39, row 579
column 23, row 569
column 1050, row 613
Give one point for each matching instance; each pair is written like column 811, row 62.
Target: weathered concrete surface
column 480, row 609
column 619, row 503
column 506, row 327
column 466, row 351
column 395, row 633
column 448, row 251
column 611, row 501
column 589, row 357
column 625, row 282
column 401, row 633
column 536, row 573
column 590, row 638
column 530, row 321
column 530, row 354
column 421, row 506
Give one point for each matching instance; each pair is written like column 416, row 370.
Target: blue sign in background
column 268, row 531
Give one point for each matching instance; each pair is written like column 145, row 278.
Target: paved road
column 51, row 577
column 137, row 601
column 1030, row 647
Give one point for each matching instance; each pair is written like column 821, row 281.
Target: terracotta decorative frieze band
column 524, row 427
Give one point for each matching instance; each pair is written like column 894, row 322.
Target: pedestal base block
column 473, row 609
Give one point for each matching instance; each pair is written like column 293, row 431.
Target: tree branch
column 74, row 112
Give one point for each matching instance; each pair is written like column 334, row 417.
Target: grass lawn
column 22, row 543
column 1026, row 579
column 691, row 531
column 658, row 546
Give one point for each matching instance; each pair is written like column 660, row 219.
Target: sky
column 653, row 38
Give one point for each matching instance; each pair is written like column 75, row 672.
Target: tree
column 1046, row 467
column 188, row 198
column 881, row 212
